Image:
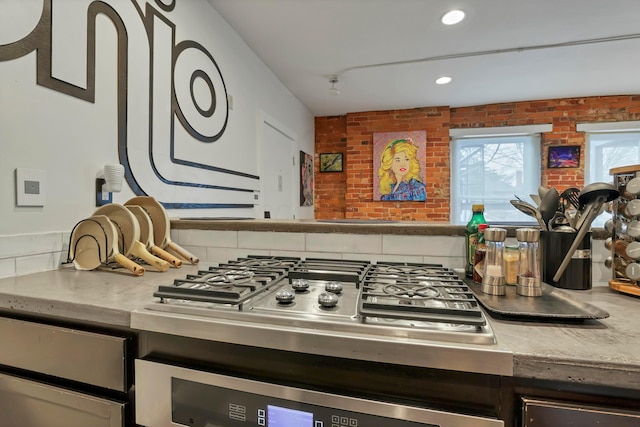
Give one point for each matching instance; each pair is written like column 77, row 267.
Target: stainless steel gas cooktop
column 396, row 300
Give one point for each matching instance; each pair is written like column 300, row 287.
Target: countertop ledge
column 345, row 226
column 604, row 352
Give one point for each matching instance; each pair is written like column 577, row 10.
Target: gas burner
column 426, row 291
column 285, row 297
column 406, row 269
column 300, row 285
column 255, row 261
column 328, row 300
column 333, row 287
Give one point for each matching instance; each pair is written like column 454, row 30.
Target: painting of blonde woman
column 399, row 159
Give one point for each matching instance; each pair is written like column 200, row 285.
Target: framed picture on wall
column 399, row 166
column 563, row 156
column 331, row 162
column 306, row 179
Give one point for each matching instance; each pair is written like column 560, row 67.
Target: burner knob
column 333, row 287
column 285, row 296
column 327, row 299
column 300, row 284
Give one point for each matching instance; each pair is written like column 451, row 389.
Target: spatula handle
column 161, row 253
column 183, row 253
column 130, row 265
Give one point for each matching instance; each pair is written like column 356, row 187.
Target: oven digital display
column 278, row 416
column 195, row 404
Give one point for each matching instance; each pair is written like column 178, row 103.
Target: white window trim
column 500, row 131
column 605, row 127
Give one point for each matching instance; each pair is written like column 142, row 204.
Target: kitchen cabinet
column 542, row 403
column 56, row 374
column 549, row 413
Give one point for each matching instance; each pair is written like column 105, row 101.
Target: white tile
column 305, row 254
column 449, row 262
column 221, row 255
column 37, row 263
column 7, row 267
column 271, row 240
column 382, row 258
column 208, row 238
column 30, row 244
column 354, row 243
column 447, row 246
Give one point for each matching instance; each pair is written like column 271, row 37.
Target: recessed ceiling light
column 452, row 17
column 443, row 80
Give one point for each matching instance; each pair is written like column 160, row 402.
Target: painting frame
column 331, row 162
column 400, row 166
column 306, row 179
column 563, row 156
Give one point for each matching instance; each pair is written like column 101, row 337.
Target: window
column 609, row 145
column 493, row 169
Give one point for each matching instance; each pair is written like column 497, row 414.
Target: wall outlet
column 102, row 197
column 30, row 187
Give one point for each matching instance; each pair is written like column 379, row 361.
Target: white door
column 277, row 172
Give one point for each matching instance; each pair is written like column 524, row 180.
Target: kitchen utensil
column 96, row 243
column 128, row 233
column 146, row 236
column 569, row 198
column 594, row 196
column 559, row 219
column 89, row 243
column 536, row 199
column 529, row 209
column 161, row 226
column 542, row 190
column 549, row 206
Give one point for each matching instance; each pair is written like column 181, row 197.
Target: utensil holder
column 554, row 245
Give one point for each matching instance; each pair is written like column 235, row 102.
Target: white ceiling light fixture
column 452, row 17
column 443, row 80
column 333, row 90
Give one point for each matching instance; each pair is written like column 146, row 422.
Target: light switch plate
column 31, row 186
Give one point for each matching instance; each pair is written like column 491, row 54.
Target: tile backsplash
column 33, row 253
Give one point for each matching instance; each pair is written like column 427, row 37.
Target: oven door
column 168, row 395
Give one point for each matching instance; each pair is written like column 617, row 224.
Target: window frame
column 459, row 135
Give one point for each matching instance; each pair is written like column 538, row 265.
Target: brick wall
column 349, row 194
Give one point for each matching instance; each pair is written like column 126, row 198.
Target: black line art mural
column 166, row 118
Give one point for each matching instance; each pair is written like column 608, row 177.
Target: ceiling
column 504, row 50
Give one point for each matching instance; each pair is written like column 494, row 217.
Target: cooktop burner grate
column 339, row 270
column 223, row 284
column 418, row 292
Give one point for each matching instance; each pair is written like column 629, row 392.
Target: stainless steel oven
column 170, row 395
column 279, row 342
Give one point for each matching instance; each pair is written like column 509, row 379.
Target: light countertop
column 602, row 352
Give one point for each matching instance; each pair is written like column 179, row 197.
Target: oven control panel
column 168, row 395
column 203, row 405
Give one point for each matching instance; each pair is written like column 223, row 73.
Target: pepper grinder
column 493, row 280
column 529, row 284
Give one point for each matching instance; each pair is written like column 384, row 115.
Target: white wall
column 71, row 139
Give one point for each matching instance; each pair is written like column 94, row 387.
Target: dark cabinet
column 549, row 413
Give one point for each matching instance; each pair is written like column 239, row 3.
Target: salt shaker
column 529, row 283
column 493, row 280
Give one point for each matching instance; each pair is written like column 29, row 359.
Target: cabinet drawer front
column 547, row 413
column 72, row 354
column 28, row 403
